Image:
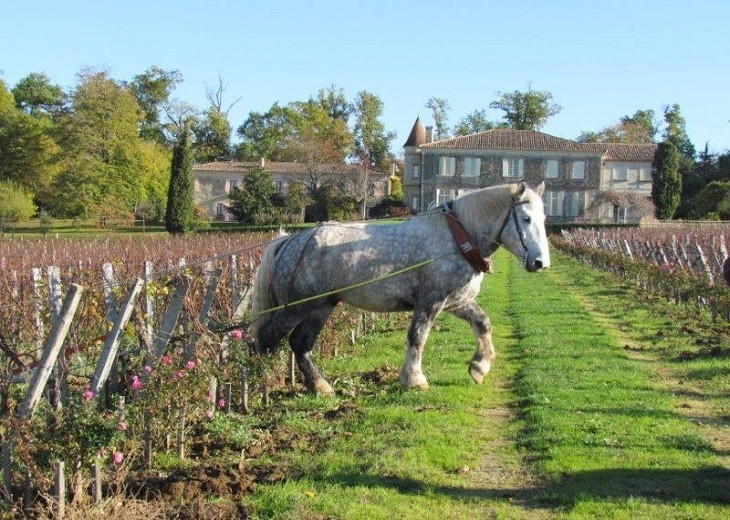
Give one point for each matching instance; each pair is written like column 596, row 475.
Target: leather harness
column 467, row 245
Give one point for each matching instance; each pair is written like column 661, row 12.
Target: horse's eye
column 527, row 219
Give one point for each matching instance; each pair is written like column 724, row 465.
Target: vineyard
column 140, row 373
column 681, row 265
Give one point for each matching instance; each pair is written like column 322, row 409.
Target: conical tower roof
column 418, row 134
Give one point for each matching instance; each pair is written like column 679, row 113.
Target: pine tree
column 180, row 215
column 667, row 184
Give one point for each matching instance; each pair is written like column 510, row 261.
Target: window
column 414, row 203
column 618, row 173
column 552, row 169
column 579, row 170
column 575, row 204
column 416, row 171
column 220, row 209
column 513, row 168
column 472, row 167
column 553, row 201
column 280, row 186
column 233, row 183
column 443, row 196
column 645, row 174
column 447, row 166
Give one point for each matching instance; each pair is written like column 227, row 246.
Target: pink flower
column 166, row 360
column 209, row 414
column 88, row 394
column 136, row 383
column 329, row 323
column 190, row 365
column 340, row 303
column 118, row 457
column 123, row 426
column 221, row 403
column 237, row 334
column 147, row 369
column 180, row 374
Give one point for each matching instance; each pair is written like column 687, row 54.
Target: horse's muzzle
column 537, row 265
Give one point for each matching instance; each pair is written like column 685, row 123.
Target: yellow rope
column 347, row 288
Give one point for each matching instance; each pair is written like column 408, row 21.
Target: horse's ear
column 540, row 189
column 521, row 188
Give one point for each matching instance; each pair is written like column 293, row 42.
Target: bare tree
column 215, row 97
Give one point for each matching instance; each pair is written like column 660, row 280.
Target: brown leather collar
column 465, row 243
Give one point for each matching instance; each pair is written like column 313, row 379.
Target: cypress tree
column 666, row 187
column 180, row 214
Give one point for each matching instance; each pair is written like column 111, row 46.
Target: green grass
column 598, row 422
column 588, row 430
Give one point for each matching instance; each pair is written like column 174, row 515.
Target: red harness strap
column 466, row 244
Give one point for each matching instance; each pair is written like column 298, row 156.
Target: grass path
column 570, row 423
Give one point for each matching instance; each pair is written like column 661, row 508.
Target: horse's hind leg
column 302, row 341
column 480, row 324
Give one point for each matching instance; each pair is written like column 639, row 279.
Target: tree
column 16, row 204
column 713, row 201
column 372, row 141
column 676, row 133
column 36, row 95
column 334, row 102
column 296, row 201
column 319, row 138
column 152, row 90
column 439, row 108
column 475, row 122
column 252, row 202
column 667, row 183
column 28, row 153
column 180, row 215
column 103, row 154
column 267, row 135
column 639, row 128
column 526, row 110
column 212, row 136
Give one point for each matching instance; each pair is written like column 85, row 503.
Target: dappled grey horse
column 431, row 263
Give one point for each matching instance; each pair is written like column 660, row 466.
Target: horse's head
column 523, row 228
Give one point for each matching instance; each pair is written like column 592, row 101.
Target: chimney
column 262, row 162
column 429, row 134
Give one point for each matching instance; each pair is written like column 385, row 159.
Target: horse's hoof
column 322, row 387
column 414, row 383
column 478, row 371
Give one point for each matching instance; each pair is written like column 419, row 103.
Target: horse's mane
column 487, row 204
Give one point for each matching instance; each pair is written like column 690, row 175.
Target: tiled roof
column 531, row 140
column 418, row 134
column 507, row 139
column 294, row 168
column 624, row 151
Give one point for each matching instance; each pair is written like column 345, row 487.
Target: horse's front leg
column 484, row 356
column 412, row 375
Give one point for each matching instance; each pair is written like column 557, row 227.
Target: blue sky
column 600, row 60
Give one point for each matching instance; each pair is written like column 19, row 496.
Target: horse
column 417, row 265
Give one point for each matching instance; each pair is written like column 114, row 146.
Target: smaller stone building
column 574, row 173
column 214, row 181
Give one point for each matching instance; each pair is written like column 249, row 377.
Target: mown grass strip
column 608, row 441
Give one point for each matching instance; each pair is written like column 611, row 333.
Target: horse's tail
column 262, row 297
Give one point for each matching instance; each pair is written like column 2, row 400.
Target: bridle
column 466, row 244
column 513, row 213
